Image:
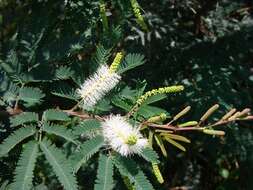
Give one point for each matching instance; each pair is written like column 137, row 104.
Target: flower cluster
column 122, row 136
column 97, row 86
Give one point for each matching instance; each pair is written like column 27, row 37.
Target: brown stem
column 83, row 115
column 134, row 109
column 76, row 106
column 174, row 128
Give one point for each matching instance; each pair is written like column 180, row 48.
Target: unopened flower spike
column 103, row 15
column 137, row 14
column 116, row 62
column 122, row 137
column 164, row 90
column 95, row 87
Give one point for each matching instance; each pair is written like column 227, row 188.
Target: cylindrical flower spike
column 117, row 60
column 137, row 14
column 122, row 137
column 169, row 89
column 143, row 98
column 94, row 88
column 103, row 15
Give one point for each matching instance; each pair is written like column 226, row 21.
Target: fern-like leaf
column 63, row 72
column 64, row 92
column 88, row 149
column 102, row 55
column 24, row 171
column 10, row 93
column 160, row 143
column 104, row 179
column 55, row 115
column 60, row 131
column 155, row 98
column 149, row 111
column 87, row 127
column 4, row 185
column 15, row 138
column 131, row 61
column 149, row 155
column 59, row 164
column 31, row 95
column 127, row 167
column 23, row 118
column 121, row 104
column 175, row 143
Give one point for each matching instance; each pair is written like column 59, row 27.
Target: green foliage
column 131, row 61
column 147, row 111
column 60, row 131
column 155, row 98
column 64, row 92
column 63, row 73
column 121, row 104
column 102, row 55
column 31, row 96
column 87, row 127
column 129, row 168
column 4, row 185
column 26, row 164
column 15, row 138
column 24, row 118
column 87, row 150
column 55, row 115
column 150, row 155
column 49, row 48
column 60, row 164
column 104, row 179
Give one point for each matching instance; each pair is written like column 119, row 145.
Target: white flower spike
column 94, row 88
column 122, row 136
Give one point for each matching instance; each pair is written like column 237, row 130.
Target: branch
column 83, row 115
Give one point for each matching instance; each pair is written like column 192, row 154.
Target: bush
column 102, row 90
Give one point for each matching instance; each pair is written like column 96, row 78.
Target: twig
column 75, row 106
column 83, row 115
column 174, row 128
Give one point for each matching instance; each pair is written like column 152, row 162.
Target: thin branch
column 83, row 115
column 174, row 128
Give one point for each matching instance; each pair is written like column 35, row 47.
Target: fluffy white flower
column 122, row 136
column 94, row 88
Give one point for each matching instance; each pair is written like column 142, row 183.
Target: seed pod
column 157, row 173
column 245, row 112
column 189, row 123
column 158, row 118
column 213, row 132
column 182, row 113
column 227, row 115
column 209, row 112
column 233, row 117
